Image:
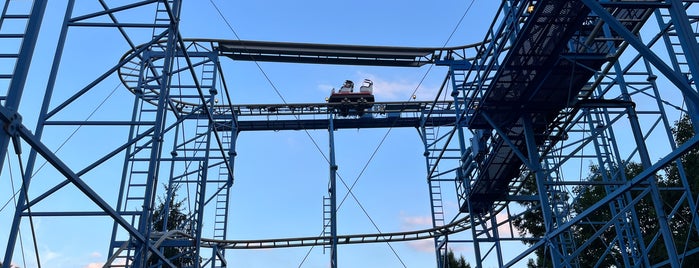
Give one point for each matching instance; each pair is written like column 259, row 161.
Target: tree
column 531, row 222
column 176, row 220
column 684, row 235
column 452, row 262
column 683, row 231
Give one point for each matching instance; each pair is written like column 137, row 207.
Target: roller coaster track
column 522, row 64
column 313, row 53
column 324, row 54
column 454, row 227
column 288, row 52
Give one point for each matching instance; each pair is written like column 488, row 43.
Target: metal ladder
column 162, row 18
column 560, row 206
column 677, row 55
column 13, row 13
column 138, row 158
column 327, row 221
column 432, row 151
column 432, row 179
column 626, row 234
column 221, row 214
column 145, row 76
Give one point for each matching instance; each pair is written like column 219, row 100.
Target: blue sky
column 281, row 177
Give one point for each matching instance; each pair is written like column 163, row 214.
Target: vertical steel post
column 535, row 164
column 637, row 236
column 690, row 94
column 35, row 23
column 159, row 123
column 690, row 48
column 665, row 230
column 459, row 114
column 19, row 76
column 203, row 179
column 333, row 193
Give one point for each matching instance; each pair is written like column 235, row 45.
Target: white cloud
column 50, row 255
column 327, row 88
column 94, row 265
column 96, row 255
column 415, row 222
column 389, row 90
column 425, row 245
column 395, row 90
column 461, row 249
column 504, row 229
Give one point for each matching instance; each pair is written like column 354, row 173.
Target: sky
column 281, row 177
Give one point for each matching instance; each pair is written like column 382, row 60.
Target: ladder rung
column 11, row 35
column 15, row 16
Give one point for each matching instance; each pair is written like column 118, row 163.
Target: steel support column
column 20, row 207
column 534, row 163
column 658, row 203
column 19, row 74
column 332, row 191
column 691, row 96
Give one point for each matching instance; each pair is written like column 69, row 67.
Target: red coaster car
column 353, row 102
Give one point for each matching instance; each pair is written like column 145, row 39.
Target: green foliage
column 452, row 262
column 176, row 220
column 531, row 222
column 685, row 236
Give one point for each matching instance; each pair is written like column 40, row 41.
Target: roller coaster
column 541, row 97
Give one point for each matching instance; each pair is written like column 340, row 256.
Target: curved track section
column 146, row 86
column 455, row 227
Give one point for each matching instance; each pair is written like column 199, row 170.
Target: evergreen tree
column 452, row 262
column 176, row 220
column 683, row 230
column 684, row 235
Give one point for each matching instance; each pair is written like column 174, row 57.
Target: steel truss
column 554, row 87
column 523, row 134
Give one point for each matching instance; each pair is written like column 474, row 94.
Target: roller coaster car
column 353, row 102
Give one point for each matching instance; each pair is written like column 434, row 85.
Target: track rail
column 283, row 52
column 454, row 227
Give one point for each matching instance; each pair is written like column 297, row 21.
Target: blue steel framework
column 547, row 89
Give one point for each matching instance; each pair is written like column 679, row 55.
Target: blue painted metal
column 18, row 77
column 557, row 256
column 691, row 95
column 6, row 116
column 546, row 81
column 332, row 191
column 35, row 26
